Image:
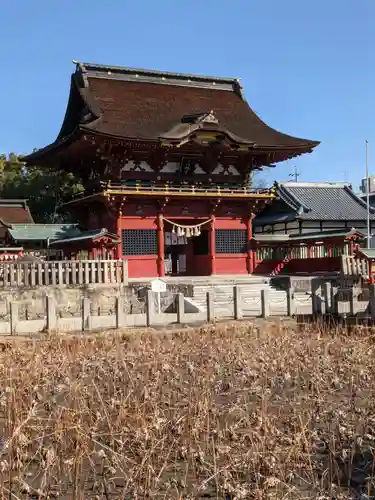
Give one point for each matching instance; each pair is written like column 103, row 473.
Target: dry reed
column 231, row 411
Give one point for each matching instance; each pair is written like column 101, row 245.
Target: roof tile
column 328, row 201
column 15, row 211
column 142, row 104
column 26, row 232
column 148, row 110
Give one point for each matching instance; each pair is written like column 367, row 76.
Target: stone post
column 180, row 306
column 315, row 302
column 327, row 287
column 124, row 271
column 86, row 315
column 334, row 299
column 264, row 303
column 14, row 317
column 120, row 314
column 51, row 314
column 237, row 305
column 150, row 308
column 210, row 307
column 290, row 303
column 353, row 307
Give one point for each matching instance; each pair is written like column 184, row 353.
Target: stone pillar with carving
column 161, row 250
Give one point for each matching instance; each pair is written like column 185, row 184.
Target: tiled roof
column 146, row 105
column 291, row 238
column 15, row 211
column 148, row 110
column 87, row 235
column 367, row 252
column 315, row 201
column 41, row 232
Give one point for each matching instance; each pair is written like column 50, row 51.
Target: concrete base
column 198, row 280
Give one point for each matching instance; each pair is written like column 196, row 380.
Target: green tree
column 45, row 189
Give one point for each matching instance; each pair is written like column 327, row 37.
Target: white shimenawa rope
column 183, row 226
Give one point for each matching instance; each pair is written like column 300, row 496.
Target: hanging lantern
column 188, row 232
column 173, row 229
column 197, row 231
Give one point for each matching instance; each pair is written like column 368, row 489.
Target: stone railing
column 62, row 273
column 47, row 314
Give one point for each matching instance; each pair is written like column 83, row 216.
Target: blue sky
column 307, row 66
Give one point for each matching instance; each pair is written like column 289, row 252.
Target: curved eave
column 297, row 149
column 54, row 147
column 60, row 143
column 303, row 147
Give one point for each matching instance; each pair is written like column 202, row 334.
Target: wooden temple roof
column 147, row 105
column 314, row 201
column 15, row 212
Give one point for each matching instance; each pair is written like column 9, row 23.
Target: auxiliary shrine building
column 167, row 161
column 309, row 227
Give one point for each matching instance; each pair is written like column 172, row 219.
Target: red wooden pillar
column 161, row 250
column 118, row 232
column 250, row 249
column 212, row 245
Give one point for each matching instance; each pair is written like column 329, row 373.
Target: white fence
column 64, row 272
column 353, row 267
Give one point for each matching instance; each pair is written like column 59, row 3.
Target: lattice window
column 139, row 242
column 231, row 240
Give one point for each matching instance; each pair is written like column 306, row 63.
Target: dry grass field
column 232, row 411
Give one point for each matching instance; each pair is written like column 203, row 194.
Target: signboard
column 158, row 286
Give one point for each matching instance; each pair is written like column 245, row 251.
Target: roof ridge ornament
column 209, row 117
column 203, row 117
